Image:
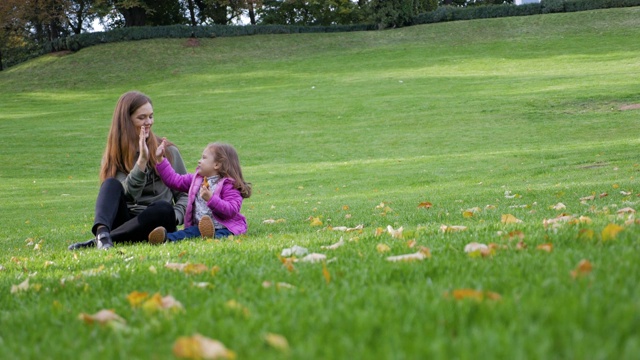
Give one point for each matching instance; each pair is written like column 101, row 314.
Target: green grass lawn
column 480, row 119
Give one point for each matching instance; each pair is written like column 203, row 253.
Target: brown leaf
column 477, row 295
column 452, row 228
column 23, row 286
column 584, row 268
column 545, row 247
column 425, row 205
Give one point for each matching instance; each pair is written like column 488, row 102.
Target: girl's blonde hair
column 227, row 156
column 122, row 141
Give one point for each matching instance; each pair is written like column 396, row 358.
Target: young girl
column 216, row 191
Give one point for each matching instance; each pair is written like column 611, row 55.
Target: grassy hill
column 479, row 118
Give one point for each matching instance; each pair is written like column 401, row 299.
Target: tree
column 313, row 12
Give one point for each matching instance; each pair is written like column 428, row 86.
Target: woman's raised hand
column 143, row 158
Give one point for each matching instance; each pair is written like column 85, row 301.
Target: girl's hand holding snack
column 205, row 192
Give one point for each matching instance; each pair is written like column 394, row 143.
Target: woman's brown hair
column 227, row 156
column 122, row 141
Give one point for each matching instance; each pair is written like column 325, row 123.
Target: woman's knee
column 163, row 207
column 111, row 185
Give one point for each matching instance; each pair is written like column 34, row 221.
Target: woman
column 133, row 200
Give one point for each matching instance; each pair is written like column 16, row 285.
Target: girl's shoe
column 158, row 236
column 205, row 225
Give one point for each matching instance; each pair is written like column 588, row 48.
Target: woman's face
column 143, row 119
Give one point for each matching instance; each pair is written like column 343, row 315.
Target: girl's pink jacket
column 225, row 203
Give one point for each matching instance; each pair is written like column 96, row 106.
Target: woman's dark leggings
column 112, row 212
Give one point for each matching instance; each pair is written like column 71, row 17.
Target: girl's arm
column 180, row 198
column 172, row 179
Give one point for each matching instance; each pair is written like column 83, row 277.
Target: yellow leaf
column 136, row 298
column 586, row 234
column 610, row 232
column 153, row 304
column 467, row 214
column 379, row 231
column 200, row 347
column 195, row 269
column 276, row 341
column 383, row 248
column 509, row 219
column 237, row 307
column 325, row 273
column 315, row 221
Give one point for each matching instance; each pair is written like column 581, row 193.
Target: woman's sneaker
column 205, row 225
column 158, row 236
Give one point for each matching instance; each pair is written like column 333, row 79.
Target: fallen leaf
column 610, row 232
column 626, row 193
column 157, row 303
column 477, row 295
column 584, row 268
column 626, row 210
column 325, row 272
column 273, row 221
column 475, row 249
column 521, row 245
column 334, row 246
column 315, row 221
column 587, row 198
column 424, row 253
column 294, row 251
column 276, row 341
column 383, row 248
column 136, row 298
column 237, row 307
column 314, row 257
column 192, row 269
column 23, row 286
column 200, row 347
column 586, row 234
column 379, row 231
column 287, row 262
column 102, row 317
column 346, row 229
column 559, row 206
column 509, row 219
column 411, row 243
column 425, row 205
column 562, row 218
column 467, row 214
column 452, row 228
column 397, row 233
column 545, row 247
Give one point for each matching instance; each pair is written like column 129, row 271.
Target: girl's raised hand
column 205, row 192
column 160, row 150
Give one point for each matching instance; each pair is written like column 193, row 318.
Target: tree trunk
column 135, row 16
column 192, row 13
column 252, row 13
column 1, row 68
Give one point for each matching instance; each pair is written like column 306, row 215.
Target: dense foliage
column 29, row 28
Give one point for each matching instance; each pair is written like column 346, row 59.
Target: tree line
column 28, row 24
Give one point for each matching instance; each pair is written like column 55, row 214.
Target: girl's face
column 143, row 119
column 208, row 166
